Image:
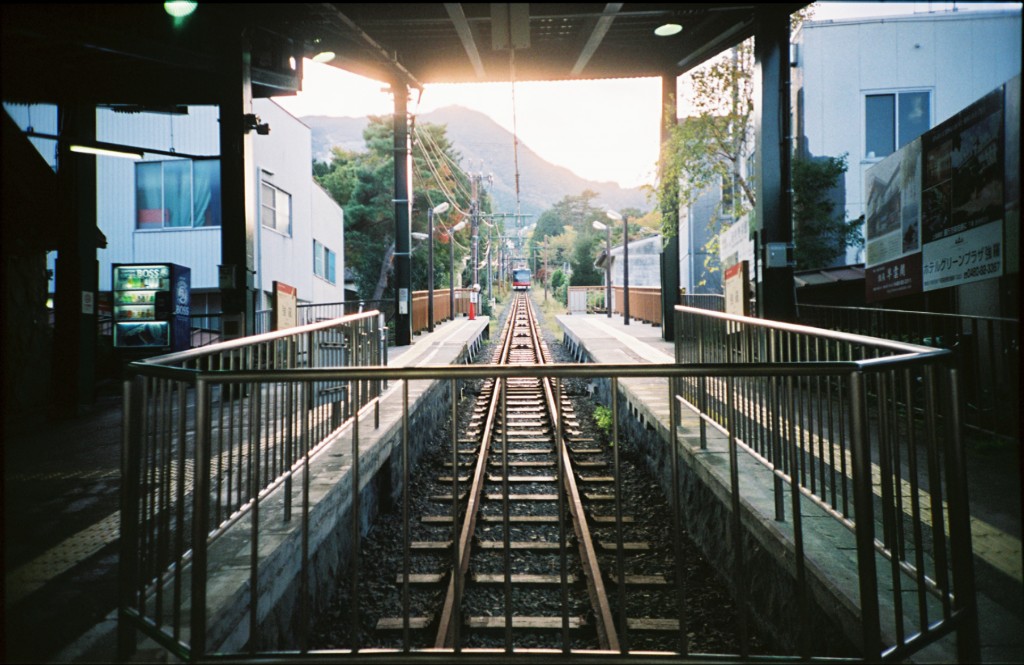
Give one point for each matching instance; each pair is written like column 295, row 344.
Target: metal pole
column 402, row 203
column 451, row 291
column 430, row 270
column 625, row 270
column 608, row 269
column 475, row 217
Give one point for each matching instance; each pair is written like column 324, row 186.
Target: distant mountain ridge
column 478, row 139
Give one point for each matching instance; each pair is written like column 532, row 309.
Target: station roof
column 134, row 53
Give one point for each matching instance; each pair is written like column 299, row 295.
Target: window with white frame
column 177, row 193
column 323, row 262
column 894, row 119
column 276, row 205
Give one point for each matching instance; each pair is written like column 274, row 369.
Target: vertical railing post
column 200, row 521
column 968, row 640
column 128, row 564
column 864, row 519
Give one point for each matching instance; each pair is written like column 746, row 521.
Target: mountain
column 480, row 140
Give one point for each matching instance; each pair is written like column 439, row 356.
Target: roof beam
column 458, row 18
column 392, row 62
column 597, row 36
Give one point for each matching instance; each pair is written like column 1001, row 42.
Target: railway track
column 538, row 535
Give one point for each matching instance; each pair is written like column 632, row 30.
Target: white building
column 865, row 87
column 299, row 228
column 166, row 209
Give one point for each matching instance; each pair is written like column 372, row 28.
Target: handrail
column 250, row 340
column 817, row 332
column 248, row 428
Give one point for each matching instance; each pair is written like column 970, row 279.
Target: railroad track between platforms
column 514, row 515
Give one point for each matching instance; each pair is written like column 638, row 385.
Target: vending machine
column 151, row 306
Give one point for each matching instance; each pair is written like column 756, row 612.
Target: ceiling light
column 668, row 29
column 180, row 8
column 90, row 150
column 324, row 56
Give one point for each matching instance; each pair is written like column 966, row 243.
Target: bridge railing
column 877, row 447
column 442, row 306
column 225, row 467
column 987, row 350
column 195, row 461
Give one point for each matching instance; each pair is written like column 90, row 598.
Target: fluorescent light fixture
column 89, row 150
column 180, row 8
column 668, row 29
column 324, row 56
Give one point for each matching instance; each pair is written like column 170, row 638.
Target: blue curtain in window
column 330, row 266
column 178, row 193
column 149, row 209
column 206, row 187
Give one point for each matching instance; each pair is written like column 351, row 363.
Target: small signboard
column 737, row 288
column 285, row 313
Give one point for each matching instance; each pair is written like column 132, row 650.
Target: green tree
column 820, row 234
column 363, row 184
column 710, row 146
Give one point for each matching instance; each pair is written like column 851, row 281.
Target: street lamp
column 451, row 246
column 436, row 210
column 612, row 215
column 607, row 264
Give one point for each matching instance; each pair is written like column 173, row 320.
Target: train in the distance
column 521, row 279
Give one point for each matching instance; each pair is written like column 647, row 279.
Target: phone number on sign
column 977, row 271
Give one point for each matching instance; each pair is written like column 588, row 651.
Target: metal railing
column 869, row 431
column 712, row 302
column 214, row 440
column 987, row 350
column 442, row 306
column 198, row 457
column 644, row 303
column 586, row 299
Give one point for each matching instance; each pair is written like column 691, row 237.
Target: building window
column 276, row 209
column 893, row 120
column 178, row 193
column 323, row 262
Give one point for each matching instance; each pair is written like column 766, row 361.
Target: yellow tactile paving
column 33, row 575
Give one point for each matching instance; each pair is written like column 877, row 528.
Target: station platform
column 994, row 476
column 61, row 514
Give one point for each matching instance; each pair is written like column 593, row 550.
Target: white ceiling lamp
column 105, row 152
column 180, row 8
column 668, row 29
column 324, row 56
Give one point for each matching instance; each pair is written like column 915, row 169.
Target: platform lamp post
column 439, row 209
column 598, row 226
column 451, row 247
column 612, row 215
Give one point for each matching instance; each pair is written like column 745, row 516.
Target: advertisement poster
column 893, row 212
column 962, row 196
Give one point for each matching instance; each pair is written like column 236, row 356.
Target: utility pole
column 475, row 221
column 545, row 269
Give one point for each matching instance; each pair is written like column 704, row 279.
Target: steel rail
column 447, row 624
column 605, row 623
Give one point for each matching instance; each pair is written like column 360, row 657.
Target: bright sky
column 567, row 122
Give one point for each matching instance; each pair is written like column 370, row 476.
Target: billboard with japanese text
column 935, row 211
